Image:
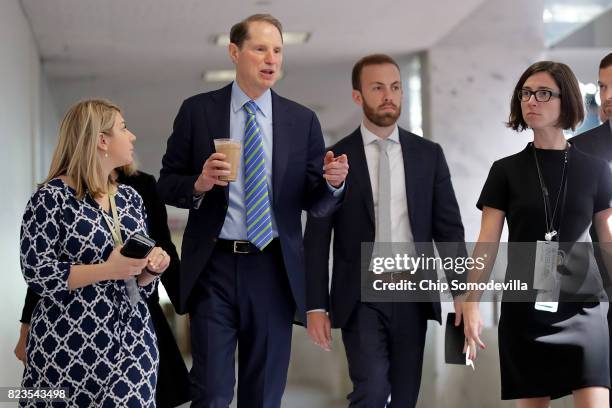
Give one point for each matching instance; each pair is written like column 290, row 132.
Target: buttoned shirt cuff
column 336, row 191
column 316, row 310
column 197, row 200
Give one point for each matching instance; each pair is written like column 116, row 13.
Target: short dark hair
column 240, row 31
column 372, row 59
column 606, row 61
column 572, row 106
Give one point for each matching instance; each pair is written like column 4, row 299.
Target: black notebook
column 453, row 341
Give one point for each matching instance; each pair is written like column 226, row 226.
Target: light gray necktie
column 383, row 224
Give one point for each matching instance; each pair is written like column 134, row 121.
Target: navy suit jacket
column 433, row 211
column 297, row 182
column 597, row 142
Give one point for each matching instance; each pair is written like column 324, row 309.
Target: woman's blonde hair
column 76, row 153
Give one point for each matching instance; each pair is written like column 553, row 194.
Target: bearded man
column 400, row 192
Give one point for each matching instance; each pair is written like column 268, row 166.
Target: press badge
column 545, row 269
column 545, row 276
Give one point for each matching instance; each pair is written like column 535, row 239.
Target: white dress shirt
column 401, row 230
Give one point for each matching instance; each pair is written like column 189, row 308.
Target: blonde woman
column 87, row 335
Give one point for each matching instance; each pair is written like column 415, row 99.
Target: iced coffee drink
column 231, row 150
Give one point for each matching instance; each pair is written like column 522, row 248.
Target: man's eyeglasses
column 541, row 95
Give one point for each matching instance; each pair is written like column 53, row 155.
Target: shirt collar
column 369, row 137
column 239, row 98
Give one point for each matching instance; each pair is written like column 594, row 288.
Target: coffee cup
column 231, row 149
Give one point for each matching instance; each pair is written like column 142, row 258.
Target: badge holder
column 545, row 277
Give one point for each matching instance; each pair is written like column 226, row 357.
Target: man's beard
column 607, row 108
column 381, row 119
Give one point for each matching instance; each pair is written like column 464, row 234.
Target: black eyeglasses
column 541, row 95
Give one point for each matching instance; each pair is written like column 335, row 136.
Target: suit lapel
column 281, row 132
column 411, row 171
column 218, row 116
column 359, row 174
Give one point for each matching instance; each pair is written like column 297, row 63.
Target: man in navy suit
column 242, row 273
column 598, row 142
column 384, row 341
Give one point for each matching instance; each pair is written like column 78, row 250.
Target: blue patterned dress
column 89, row 340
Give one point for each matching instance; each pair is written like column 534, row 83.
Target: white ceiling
column 148, row 55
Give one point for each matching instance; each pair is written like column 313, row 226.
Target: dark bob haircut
column 572, row 106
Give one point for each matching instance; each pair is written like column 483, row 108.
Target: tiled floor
column 304, row 397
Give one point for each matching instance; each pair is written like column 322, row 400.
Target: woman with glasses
column 550, row 194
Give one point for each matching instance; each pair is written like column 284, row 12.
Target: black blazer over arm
column 317, row 240
column 157, row 222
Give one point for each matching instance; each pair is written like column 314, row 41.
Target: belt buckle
column 236, row 250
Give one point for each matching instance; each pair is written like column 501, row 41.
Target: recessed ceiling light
column 590, row 88
column 225, row 75
column 219, row 75
column 289, row 37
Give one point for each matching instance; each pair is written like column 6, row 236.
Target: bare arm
column 491, row 226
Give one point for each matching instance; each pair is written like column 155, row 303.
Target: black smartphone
column 137, row 246
column 453, row 341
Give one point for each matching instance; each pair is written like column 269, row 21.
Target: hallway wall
column 29, row 122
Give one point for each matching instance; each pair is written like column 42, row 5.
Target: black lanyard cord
column 550, row 222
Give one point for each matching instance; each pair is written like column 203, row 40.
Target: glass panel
column 592, row 104
column 562, row 17
column 412, row 104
